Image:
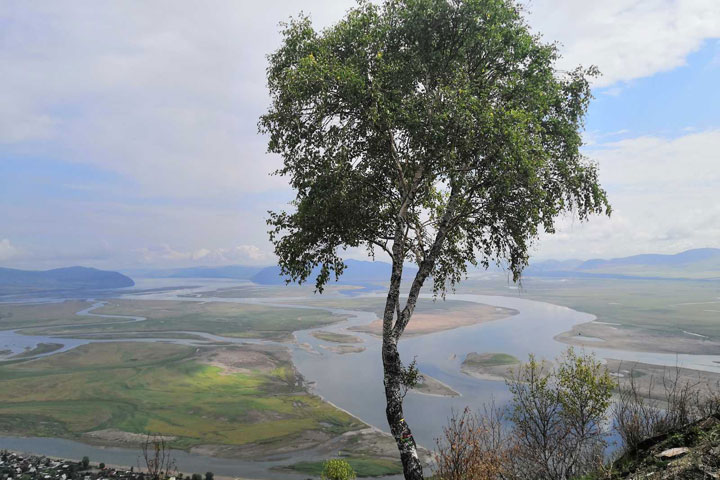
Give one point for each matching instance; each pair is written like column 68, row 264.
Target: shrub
column 556, row 429
column 337, row 469
column 85, row 462
column 157, row 457
column 640, row 412
column 473, row 446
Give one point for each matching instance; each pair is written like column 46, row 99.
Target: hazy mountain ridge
column 700, row 264
column 69, row 278
column 235, row 272
column 358, row 272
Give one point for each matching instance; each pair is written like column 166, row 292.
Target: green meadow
column 335, row 337
column 18, row 316
column 363, row 466
column 220, row 318
column 174, row 390
column 489, row 359
column 40, row 349
column 666, row 307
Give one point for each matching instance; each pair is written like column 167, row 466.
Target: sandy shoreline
column 626, row 337
column 654, row 379
column 427, row 323
column 434, row 388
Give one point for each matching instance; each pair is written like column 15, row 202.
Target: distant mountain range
column 699, row 264
column 358, row 272
column 70, row 278
column 235, row 272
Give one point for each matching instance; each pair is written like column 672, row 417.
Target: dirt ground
column 425, row 323
column 656, row 379
column 245, row 358
column 621, row 337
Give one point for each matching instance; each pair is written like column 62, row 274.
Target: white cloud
column 167, row 95
column 664, row 194
column 626, row 39
column 240, row 254
column 7, row 250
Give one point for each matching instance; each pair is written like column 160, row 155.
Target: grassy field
column 39, row 349
column 489, row 359
column 273, row 291
column 488, row 366
column 662, row 306
column 225, row 395
column 336, row 337
column 364, row 467
column 220, row 318
column 14, row 316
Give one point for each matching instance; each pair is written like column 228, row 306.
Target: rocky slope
column 692, row 452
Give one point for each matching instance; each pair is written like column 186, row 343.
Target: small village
column 15, row 466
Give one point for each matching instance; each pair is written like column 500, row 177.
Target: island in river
column 246, row 350
column 210, row 397
column 488, row 366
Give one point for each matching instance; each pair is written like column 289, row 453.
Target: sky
column 128, row 130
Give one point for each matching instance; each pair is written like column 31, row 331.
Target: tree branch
column 426, row 266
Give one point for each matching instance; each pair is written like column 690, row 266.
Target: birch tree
column 436, row 132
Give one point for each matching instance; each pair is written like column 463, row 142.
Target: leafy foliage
column 438, row 131
column 337, row 469
column 556, row 429
column 474, row 447
column 410, row 376
column 559, row 416
column 419, row 117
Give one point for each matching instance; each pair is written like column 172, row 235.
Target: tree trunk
column 399, row 428
column 392, row 366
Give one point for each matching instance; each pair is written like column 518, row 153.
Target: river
column 353, row 382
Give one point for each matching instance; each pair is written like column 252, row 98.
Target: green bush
column 337, row 469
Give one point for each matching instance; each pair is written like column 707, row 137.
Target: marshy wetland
column 247, row 382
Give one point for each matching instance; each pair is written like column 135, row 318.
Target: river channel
column 353, row 382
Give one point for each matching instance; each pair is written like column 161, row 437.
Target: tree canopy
column 415, row 115
column 437, row 131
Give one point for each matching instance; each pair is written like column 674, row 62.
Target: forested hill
column 702, row 263
column 70, row 278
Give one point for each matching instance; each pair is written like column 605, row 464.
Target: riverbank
column 14, row 464
column 426, row 323
column 656, row 381
column 352, row 380
column 615, row 336
column 428, row 385
column 29, row 466
column 240, row 401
